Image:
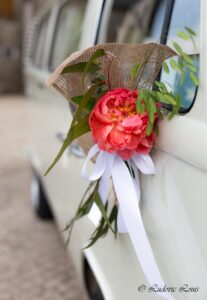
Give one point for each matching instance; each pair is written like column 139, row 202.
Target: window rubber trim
column 99, row 23
column 163, row 40
column 167, row 21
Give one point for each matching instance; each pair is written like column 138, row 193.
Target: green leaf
column 101, row 86
column 100, row 78
column 187, row 58
column 160, row 116
column 80, row 67
column 83, row 104
column 165, row 67
column 177, row 47
column 151, row 109
column 77, row 128
column 194, row 79
column 191, row 67
column 183, row 35
column 139, row 106
column 190, row 31
column 174, row 64
column 99, row 203
column 170, row 99
column 82, row 210
column 89, row 106
column 97, row 54
column 161, row 86
column 113, row 217
column 168, row 84
column 179, row 101
column 103, row 228
column 100, row 231
column 149, row 129
column 160, row 96
column 182, row 78
column 81, row 128
column 166, row 98
column 180, row 65
column 171, row 115
column 142, row 94
column 135, row 69
column 175, row 108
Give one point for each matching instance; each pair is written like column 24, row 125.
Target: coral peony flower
column 117, row 127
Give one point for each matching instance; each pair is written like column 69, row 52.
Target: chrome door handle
column 40, row 85
column 76, row 150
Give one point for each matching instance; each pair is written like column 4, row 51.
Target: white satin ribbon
column 128, row 194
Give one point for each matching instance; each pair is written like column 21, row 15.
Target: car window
column 68, row 31
column 181, row 18
column 135, row 21
column 39, row 41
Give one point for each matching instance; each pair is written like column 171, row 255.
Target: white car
column 174, row 201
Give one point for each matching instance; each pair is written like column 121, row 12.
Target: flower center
column 119, row 113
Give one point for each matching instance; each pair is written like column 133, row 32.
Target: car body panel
column 176, row 229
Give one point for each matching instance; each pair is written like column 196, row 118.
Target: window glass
column 40, row 41
column 68, row 31
column 135, row 21
column 182, row 18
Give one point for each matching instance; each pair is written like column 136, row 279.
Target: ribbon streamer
column 128, row 194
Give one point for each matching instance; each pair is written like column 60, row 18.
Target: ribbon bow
column 128, row 193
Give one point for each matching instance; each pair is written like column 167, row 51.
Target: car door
column 114, row 262
column 179, row 190
column 56, row 33
column 173, row 201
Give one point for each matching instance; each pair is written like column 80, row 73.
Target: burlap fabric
column 116, row 66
